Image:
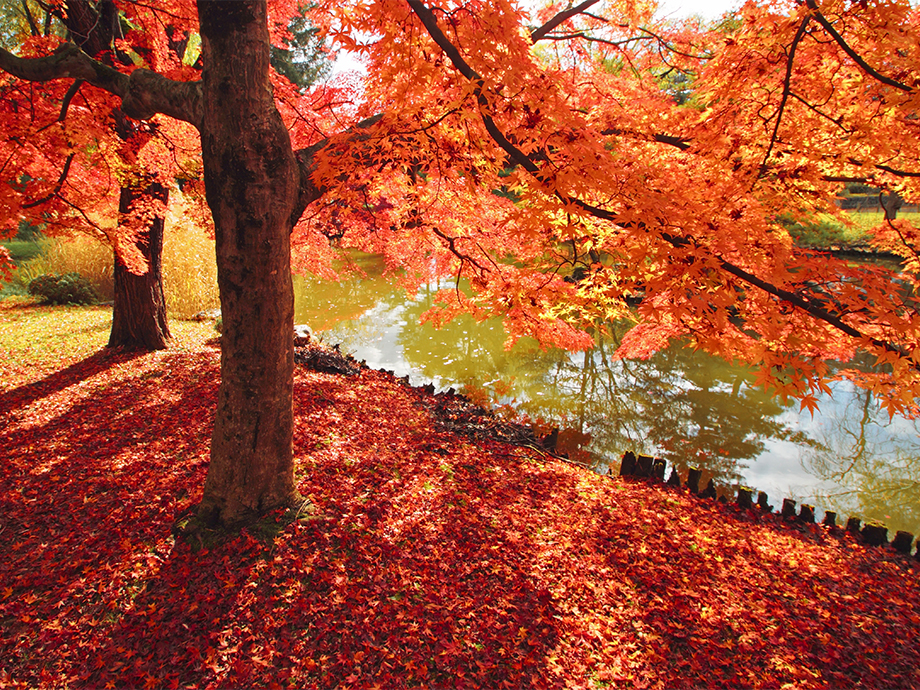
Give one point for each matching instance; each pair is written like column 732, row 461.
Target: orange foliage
column 545, row 160
column 676, row 205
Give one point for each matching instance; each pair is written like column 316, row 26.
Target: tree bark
column 139, row 313
column 252, row 182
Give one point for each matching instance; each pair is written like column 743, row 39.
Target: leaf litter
column 434, row 559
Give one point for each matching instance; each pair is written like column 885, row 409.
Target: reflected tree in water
column 681, row 405
column 873, row 462
column 684, row 406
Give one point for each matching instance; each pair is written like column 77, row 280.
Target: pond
column 686, row 407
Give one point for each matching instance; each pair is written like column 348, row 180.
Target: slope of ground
column 430, row 561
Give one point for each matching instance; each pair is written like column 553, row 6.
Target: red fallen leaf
column 421, row 563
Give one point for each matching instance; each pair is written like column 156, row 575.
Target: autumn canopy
column 543, row 157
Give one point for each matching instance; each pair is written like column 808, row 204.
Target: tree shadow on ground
column 23, row 396
column 91, row 482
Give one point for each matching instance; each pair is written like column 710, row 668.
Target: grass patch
column 36, row 338
column 23, row 250
column 866, row 220
column 43, row 335
column 828, row 231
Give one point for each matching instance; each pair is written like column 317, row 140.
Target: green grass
column 866, row 220
column 827, row 231
column 22, row 250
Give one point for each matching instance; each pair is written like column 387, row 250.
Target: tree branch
column 787, row 87
column 540, row 33
column 143, row 93
column 309, row 191
column 811, row 307
column 822, row 20
column 33, row 27
column 57, row 187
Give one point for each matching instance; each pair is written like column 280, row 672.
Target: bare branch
column 822, row 20
column 787, row 83
column 33, row 27
column 896, row 172
column 540, row 33
column 595, row 39
column 57, row 187
column 68, row 97
column 677, row 142
column 817, row 110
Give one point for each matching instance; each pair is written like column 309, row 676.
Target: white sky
column 708, row 9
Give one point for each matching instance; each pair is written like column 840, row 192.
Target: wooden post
column 674, row 479
column 644, row 466
column 830, row 518
column 788, row 508
column 875, row 533
column 902, row 541
column 693, row 480
column 628, row 464
column 745, row 497
column 710, row 490
column 807, row 513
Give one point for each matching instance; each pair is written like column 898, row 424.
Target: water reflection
column 681, row 405
column 870, row 465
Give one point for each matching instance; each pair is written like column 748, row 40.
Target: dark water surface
column 686, row 407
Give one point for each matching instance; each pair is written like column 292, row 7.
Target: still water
column 683, row 406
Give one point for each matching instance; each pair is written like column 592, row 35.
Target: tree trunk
column 252, row 186
column 891, row 203
column 139, row 315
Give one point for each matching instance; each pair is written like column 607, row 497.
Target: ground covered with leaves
column 432, row 560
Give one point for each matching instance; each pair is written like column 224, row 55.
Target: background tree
column 143, row 160
column 92, row 170
column 302, row 58
column 679, row 203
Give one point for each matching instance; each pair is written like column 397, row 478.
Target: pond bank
column 683, row 406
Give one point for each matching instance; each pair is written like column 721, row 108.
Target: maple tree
column 517, row 156
column 84, row 167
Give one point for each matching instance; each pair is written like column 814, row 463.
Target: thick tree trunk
column 252, row 185
column 139, row 314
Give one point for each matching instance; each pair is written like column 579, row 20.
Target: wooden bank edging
column 872, row 533
column 315, row 355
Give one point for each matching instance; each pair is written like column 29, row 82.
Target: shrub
column 69, row 288
column 84, row 255
column 189, row 265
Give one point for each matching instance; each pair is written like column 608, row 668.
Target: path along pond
column 686, row 407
